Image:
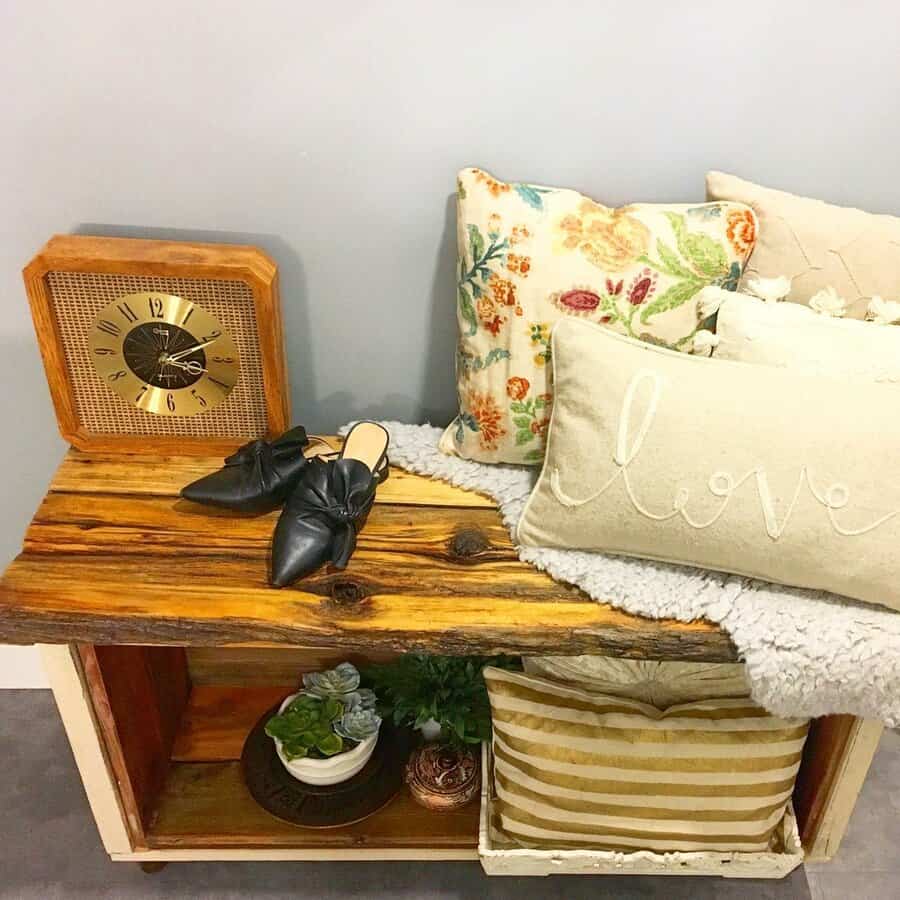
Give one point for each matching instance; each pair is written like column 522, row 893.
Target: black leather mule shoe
column 258, row 477
column 327, row 508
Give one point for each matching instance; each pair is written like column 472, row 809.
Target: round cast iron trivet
column 324, row 806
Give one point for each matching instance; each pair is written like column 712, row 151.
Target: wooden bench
column 164, row 644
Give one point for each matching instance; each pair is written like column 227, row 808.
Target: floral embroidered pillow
column 530, row 255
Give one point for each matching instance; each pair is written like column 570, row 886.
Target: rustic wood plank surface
column 114, row 556
column 208, row 805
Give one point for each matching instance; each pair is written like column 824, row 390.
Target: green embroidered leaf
column 675, row 296
column 531, row 195
column 539, row 402
column 495, row 355
column 476, row 243
column 466, row 310
column 524, row 436
column 706, row 255
column 522, row 421
column 518, row 407
column 460, row 190
column 534, row 455
column 671, row 261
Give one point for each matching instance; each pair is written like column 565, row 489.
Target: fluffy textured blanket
column 808, row 653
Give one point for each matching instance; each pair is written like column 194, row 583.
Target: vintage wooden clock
column 159, row 346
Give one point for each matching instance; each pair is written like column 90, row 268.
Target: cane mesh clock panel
column 79, row 296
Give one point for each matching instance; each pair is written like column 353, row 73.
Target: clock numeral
column 109, row 328
column 198, row 397
column 127, row 312
column 170, row 402
column 117, row 375
column 104, row 351
column 156, row 307
column 141, row 394
column 223, row 359
column 188, row 314
column 210, row 337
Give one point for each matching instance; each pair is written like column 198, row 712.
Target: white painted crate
column 499, row 856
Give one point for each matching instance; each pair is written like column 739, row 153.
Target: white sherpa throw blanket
column 808, row 653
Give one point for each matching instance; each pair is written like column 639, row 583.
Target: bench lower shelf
column 157, row 734
column 204, row 802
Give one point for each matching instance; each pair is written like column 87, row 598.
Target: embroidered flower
column 540, row 335
column 521, row 265
column 580, row 301
column 517, row 388
column 494, row 225
column 614, row 288
column 495, row 187
column 704, row 343
column 502, row 290
column 741, row 230
column 539, row 427
column 519, row 234
column 642, row 287
column 883, row 312
column 610, row 239
column 828, row 302
column 489, row 417
column 769, row 289
column 488, row 315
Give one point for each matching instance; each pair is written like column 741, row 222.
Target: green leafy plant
column 449, row 689
column 329, row 716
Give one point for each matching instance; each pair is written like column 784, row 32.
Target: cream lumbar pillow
column 817, row 245
column 796, row 337
column 531, row 255
column 754, row 470
column 573, row 768
column 657, row 682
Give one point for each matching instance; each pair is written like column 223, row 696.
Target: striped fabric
column 574, row 769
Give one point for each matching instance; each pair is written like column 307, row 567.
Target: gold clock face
column 163, row 354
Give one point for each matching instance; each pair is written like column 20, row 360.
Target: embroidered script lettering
column 721, row 484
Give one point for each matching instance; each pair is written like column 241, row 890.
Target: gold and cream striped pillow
column 575, row 769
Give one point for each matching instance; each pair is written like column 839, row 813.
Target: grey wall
column 330, row 133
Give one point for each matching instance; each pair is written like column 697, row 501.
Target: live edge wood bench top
column 113, row 555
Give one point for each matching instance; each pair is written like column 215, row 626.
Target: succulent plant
column 306, row 727
column 342, row 679
column 329, row 712
column 358, row 724
column 362, row 699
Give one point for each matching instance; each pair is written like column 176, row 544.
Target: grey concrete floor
column 49, row 846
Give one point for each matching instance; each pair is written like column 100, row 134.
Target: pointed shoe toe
column 298, row 549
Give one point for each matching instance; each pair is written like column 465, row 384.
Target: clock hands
column 182, row 353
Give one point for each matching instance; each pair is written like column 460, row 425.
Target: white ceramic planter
column 333, row 770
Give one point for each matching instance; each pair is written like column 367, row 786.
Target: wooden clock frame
column 128, row 256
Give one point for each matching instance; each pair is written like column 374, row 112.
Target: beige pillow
column 657, row 682
column 817, row 244
column 793, row 336
column 530, row 255
column 754, row 470
column 577, row 769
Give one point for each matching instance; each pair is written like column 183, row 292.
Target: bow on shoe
column 322, row 518
column 261, row 456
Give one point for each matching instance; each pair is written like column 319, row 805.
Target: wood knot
column 347, row 592
column 468, row 542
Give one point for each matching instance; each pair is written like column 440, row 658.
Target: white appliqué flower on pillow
column 704, row 343
column 828, row 302
column 883, row 312
column 769, row 289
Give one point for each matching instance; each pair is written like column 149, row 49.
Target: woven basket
column 500, row 856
